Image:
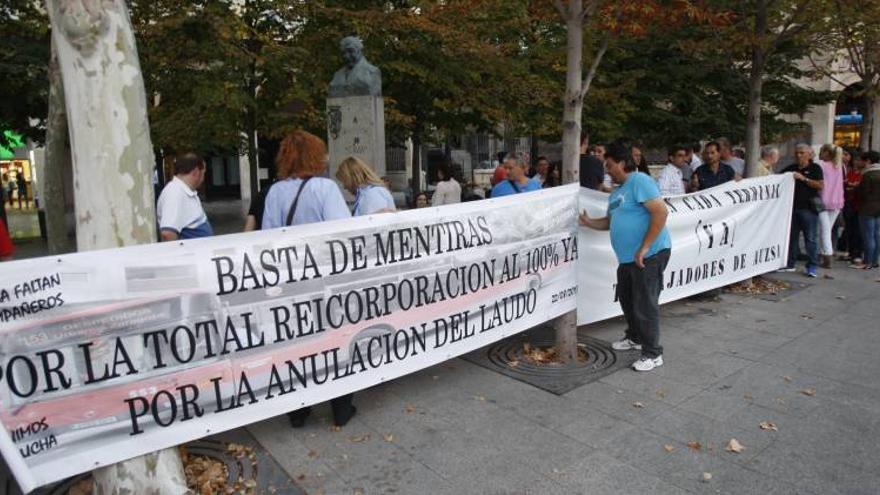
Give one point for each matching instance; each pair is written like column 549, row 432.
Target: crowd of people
column 837, row 197
column 836, row 209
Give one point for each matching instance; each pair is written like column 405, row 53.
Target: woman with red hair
column 301, row 196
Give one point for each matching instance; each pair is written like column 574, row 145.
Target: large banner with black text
column 107, row 355
column 719, row 236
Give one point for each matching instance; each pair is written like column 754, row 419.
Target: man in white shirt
column 727, row 157
column 179, row 209
column 670, row 180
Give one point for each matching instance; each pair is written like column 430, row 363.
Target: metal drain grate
column 600, row 361
column 269, row 476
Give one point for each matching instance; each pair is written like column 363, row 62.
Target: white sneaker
column 647, row 364
column 626, row 344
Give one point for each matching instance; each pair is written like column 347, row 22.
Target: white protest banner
column 107, row 355
column 719, row 236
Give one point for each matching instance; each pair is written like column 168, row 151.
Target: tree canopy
column 216, row 70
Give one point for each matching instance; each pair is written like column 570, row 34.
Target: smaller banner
column 719, row 236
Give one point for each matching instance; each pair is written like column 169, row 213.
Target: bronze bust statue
column 358, row 77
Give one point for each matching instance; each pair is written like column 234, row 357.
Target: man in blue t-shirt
column 637, row 221
column 517, row 181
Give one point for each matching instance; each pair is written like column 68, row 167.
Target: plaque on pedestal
column 356, row 127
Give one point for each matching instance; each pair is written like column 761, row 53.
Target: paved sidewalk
column 806, row 364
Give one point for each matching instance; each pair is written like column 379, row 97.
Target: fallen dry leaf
column 809, row 392
column 480, row 398
column 841, row 297
column 435, row 377
column 707, row 477
column 389, row 437
column 513, row 364
column 359, row 438
column 787, row 378
column 807, row 317
column 758, row 286
column 734, row 446
column 661, row 393
column 827, row 277
column 766, row 425
column 312, row 454
column 410, row 408
column 638, row 405
column 695, row 445
column 335, row 428
column 748, row 397
column 668, row 448
column 300, row 477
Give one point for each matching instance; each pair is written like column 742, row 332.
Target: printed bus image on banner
column 108, row 355
column 719, row 236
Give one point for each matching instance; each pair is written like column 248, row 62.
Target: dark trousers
column 853, row 233
column 341, row 407
column 638, row 291
column 806, row 221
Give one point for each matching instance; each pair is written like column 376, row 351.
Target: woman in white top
column 370, row 194
column 448, row 190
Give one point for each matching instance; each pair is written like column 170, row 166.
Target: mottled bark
column 57, row 161
column 112, row 165
column 109, row 135
column 572, row 13
column 756, row 86
column 865, row 143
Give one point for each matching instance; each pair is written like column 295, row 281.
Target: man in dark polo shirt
column 592, row 170
column 805, row 214
column 713, row 172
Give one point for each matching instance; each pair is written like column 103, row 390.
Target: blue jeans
column 806, row 221
column 870, row 227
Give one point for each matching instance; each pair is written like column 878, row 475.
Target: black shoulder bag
column 290, row 213
column 515, row 186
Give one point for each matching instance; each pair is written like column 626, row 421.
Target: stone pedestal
column 356, row 126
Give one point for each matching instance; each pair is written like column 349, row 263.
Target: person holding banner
column 637, row 222
column 809, row 180
column 300, row 197
column 370, row 194
column 517, row 166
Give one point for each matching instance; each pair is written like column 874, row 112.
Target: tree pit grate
column 508, row 358
column 268, row 477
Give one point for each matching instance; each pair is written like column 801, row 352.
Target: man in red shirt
column 851, row 212
column 6, row 247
